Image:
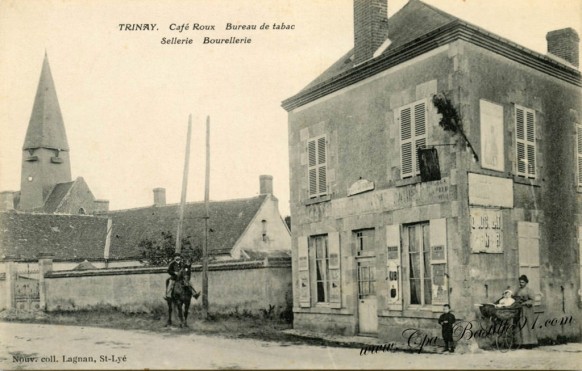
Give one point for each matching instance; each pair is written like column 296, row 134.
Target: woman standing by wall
column 525, row 297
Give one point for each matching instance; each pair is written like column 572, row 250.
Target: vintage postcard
column 294, row 184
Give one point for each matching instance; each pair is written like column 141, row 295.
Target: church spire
column 45, row 154
column 46, row 128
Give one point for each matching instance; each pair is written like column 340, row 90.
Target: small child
column 506, row 300
column 446, row 320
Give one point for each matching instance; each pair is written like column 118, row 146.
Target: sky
column 126, row 97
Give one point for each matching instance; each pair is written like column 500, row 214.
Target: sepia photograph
column 290, row 184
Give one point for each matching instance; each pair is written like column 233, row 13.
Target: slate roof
column 46, row 127
column 228, row 221
column 414, row 30
column 57, row 195
column 67, row 237
column 412, row 21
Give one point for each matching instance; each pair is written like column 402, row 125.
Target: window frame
column 423, row 253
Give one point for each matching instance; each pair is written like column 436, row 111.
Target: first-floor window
column 319, row 246
column 416, row 244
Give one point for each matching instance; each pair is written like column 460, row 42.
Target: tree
column 160, row 252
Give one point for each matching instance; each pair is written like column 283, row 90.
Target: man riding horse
column 173, row 270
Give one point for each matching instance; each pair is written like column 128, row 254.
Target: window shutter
column 335, row 297
column 529, row 254
column 525, row 142
column 303, row 269
column 419, row 132
column 531, row 147
column 317, row 172
column 312, row 161
column 393, row 266
column 438, row 261
column 406, row 154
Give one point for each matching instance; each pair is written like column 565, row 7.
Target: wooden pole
column 206, row 217
column 184, row 187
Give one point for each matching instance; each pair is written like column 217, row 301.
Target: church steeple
column 46, row 128
column 45, row 156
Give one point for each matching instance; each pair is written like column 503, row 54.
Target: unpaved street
column 33, row 346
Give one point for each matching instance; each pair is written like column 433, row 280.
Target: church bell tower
column 45, row 153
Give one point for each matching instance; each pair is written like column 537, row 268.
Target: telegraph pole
column 184, row 187
column 206, row 217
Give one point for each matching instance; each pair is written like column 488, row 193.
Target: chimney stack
column 159, row 197
column 370, row 28
column 564, row 44
column 101, row 206
column 266, row 184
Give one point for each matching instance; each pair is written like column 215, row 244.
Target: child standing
column 446, row 320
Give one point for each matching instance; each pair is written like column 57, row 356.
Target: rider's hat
column 177, row 255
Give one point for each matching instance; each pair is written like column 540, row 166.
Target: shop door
column 367, row 304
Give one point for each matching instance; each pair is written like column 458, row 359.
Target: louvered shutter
column 406, row 143
column 317, row 167
column 531, row 146
column 303, row 269
column 322, row 166
column 413, row 134
column 312, row 161
column 525, row 142
column 335, row 295
column 419, row 132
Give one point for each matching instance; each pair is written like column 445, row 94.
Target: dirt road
column 51, row 347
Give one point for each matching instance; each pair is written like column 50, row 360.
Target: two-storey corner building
column 380, row 244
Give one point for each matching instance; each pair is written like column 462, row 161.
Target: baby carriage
column 505, row 322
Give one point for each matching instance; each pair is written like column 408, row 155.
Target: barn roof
column 228, row 221
column 26, row 236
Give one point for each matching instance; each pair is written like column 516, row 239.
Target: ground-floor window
column 318, row 245
column 416, row 247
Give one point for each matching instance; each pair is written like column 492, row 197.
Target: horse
column 181, row 296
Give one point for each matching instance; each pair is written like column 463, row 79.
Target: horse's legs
column 186, row 308
column 169, row 313
column 180, row 316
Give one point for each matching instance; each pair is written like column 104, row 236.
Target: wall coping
column 222, row 266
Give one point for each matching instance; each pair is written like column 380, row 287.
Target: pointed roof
column 46, row 128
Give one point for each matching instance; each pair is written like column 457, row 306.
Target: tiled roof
column 228, row 220
column 46, row 128
column 67, row 237
column 414, row 20
column 56, row 197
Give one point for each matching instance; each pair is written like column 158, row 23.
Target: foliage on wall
column 160, row 251
column 450, row 120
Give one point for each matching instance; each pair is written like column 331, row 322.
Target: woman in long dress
column 525, row 297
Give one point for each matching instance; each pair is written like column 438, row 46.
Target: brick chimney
column 159, row 197
column 266, row 184
column 101, row 206
column 370, row 27
column 564, row 44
